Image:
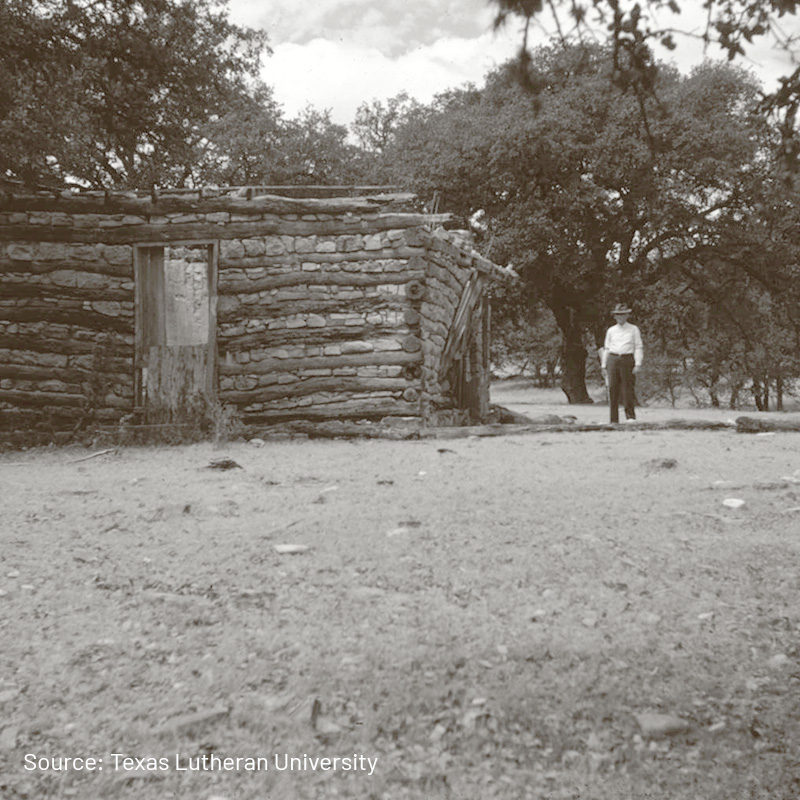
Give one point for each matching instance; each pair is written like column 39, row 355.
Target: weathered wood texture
column 320, row 308
column 455, row 331
column 755, row 425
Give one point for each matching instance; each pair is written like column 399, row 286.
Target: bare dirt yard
column 550, row 615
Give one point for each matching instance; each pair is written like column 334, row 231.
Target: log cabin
column 138, row 307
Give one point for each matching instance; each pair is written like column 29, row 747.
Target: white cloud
column 340, row 76
column 337, row 54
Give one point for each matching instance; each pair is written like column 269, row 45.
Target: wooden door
column 175, row 329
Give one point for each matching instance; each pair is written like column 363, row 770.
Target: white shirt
column 622, row 340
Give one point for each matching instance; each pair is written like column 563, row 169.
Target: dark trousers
column 621, row 381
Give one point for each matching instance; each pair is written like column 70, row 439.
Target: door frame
column 212, row 273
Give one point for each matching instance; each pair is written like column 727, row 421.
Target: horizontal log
column 351, row 409
column 21, row 398
column 339, row 429
column 310, row 279
column 48, row 290
column 308, row 386
column 79, row 318
column 39, row 267
column 113, row 352
column 755, row 425
column 267, row 365
column 177, row 231
column 359, row 261
column 331, row 334
column 321, row 305
column 18, row 421
column 71, row 375
column 166, row 203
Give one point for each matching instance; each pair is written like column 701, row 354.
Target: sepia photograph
column 399, row 399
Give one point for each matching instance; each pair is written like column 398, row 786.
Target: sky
column 337, row 54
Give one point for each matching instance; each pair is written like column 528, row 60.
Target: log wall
column 336, row 308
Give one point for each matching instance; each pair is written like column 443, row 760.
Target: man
column 621, row 359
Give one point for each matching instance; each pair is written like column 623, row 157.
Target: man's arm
column 638, row 348
column 604, row 351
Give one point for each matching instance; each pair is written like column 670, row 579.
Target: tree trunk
column 573, row 355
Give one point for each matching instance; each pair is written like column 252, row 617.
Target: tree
column 375, row 128
column 588, row 205
column 116, row 92
column 632, row 32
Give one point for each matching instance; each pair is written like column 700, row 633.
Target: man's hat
column 621, row 308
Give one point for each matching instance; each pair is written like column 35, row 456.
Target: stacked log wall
column 319, row 326
column 449, row 270
column 313, row 316
column 66, row 332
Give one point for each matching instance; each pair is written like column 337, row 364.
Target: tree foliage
column 632, row 30
column 116, row 92
column 590, row 206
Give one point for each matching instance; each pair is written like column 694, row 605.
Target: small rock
column 706, row 617
column 570, row 757
column 733, row 502
column 650, row 618
column 327, row 727
column 479, row 701
column 779, row 661
column 657, row 726
column 659, row 464
column 256, row 442
column 590, row 620
column 438, row 732
column 8, row 695
column 291, row 549
column 223, row 463
column 8, row 738
column 717, row 727
column 185, row 722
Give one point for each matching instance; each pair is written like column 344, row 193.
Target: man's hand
column 636, row 369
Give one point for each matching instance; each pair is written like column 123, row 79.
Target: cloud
column 337, row 54
column 393, row 26
column 340, row 75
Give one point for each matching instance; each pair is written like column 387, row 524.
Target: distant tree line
column 682, row 211
column 126, row 94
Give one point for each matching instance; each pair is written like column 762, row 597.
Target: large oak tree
column 590, row 205
column 116, row 93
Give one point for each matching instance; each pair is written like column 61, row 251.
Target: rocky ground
column 598, row 615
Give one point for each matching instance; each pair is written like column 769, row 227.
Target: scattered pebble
column 291, row 549
column 779, row 661
column 657, row 726
column 733, row 502
column 717, row 727
column 8, row 738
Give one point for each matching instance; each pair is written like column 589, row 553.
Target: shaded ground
column 486, row 617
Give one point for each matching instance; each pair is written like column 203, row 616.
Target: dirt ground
column 554, row 615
